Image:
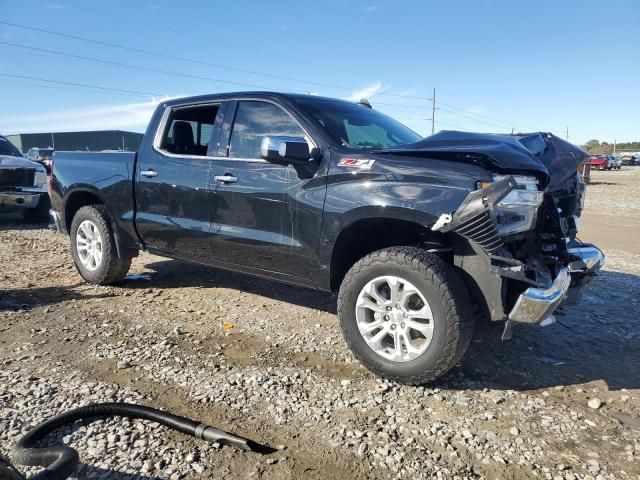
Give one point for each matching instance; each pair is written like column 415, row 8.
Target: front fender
column 414, row 190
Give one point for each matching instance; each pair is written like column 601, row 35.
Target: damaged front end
column 517, row 241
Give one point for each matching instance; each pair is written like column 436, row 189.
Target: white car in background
column 615, row 162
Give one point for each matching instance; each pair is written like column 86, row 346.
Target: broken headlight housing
column 517, row 211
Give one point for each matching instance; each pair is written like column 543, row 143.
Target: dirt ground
column 268, row 361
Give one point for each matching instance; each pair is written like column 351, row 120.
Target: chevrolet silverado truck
column 23, row 184
column 419, row 237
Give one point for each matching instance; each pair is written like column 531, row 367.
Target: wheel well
column 75, row 202
column 368, row 235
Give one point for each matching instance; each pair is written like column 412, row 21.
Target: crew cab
column 417, row 236
column 23, row 184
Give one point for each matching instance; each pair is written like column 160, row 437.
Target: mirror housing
column 285, row 150
column 290, row 151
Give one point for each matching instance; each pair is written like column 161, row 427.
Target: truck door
column 256, row 219
column 172, row 190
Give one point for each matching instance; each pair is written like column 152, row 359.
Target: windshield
column 357, row 126
column 7, row 148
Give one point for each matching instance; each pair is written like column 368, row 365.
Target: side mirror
column 285, row 150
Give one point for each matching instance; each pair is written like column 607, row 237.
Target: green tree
column 591, row 144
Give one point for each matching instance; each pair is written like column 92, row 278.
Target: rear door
column 254, row 221
column 172, row 190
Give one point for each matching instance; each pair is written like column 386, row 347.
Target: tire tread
column 457, row 312
column 117, row 266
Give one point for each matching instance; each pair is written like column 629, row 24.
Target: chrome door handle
column 149, row 173
column 225, row 178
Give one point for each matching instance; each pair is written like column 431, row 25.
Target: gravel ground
column 267, row 361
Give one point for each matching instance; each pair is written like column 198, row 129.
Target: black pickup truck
column 420, row 237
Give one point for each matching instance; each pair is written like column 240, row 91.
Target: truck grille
column 17, row 177
column 481, row 230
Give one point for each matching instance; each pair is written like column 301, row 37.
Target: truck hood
column 550, row 158
column 9, row 161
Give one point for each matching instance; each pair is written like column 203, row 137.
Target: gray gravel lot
column 267, row 361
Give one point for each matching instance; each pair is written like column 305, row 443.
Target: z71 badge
column 355, row 162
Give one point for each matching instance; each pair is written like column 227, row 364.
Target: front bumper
column 19, row 199
column 536, row 305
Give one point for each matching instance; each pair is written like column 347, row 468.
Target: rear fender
column 84, row 190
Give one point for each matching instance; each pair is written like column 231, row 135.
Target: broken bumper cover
column 536, row 305
column 589, row 259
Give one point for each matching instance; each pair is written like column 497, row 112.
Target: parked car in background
column 23, row 184
column 615, row 162
column 336, row 196
column 600, row 162
column 41, row 155
column 630, row 160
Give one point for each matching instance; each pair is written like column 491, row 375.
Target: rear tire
column 93, row 247
column 444, row 295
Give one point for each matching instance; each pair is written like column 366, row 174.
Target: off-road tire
column 447, row 297
column 112, row 268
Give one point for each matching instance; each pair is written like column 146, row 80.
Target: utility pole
column 53, row 142
column 123, row 143
column 567, row 138
column 433, row 112
column 615, row 141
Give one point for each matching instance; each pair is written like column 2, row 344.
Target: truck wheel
column 40, row 214
column 94, row 247
column 403, row 314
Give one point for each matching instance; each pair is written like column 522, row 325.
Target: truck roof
column 250, row 94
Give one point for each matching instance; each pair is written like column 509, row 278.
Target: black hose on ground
column 62, row 461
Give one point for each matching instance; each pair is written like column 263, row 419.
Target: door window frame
column 164, row 126
column 224, row 141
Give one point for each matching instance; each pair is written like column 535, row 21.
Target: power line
column 86, row 85
column 504, row 124
column 471, row 118
column 200, row 62
column 509, row 124
column 139, row 21
column 451, row 109
column 135, row 67
column 65, row 88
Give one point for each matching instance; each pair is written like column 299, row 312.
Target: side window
column 189, row 130
column 255, row 120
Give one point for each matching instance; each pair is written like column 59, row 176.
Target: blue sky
column 496, row 65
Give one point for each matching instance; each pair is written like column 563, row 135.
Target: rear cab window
column 189, row 130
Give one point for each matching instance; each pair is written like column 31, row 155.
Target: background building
column 88, row 141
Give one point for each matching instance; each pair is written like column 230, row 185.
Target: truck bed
column 106, row 175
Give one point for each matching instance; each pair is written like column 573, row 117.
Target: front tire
column 93, row 247
column 403, row 314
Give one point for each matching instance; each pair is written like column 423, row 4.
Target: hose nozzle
column 214, row 435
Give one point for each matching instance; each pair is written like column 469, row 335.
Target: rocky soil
column 267, row 361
